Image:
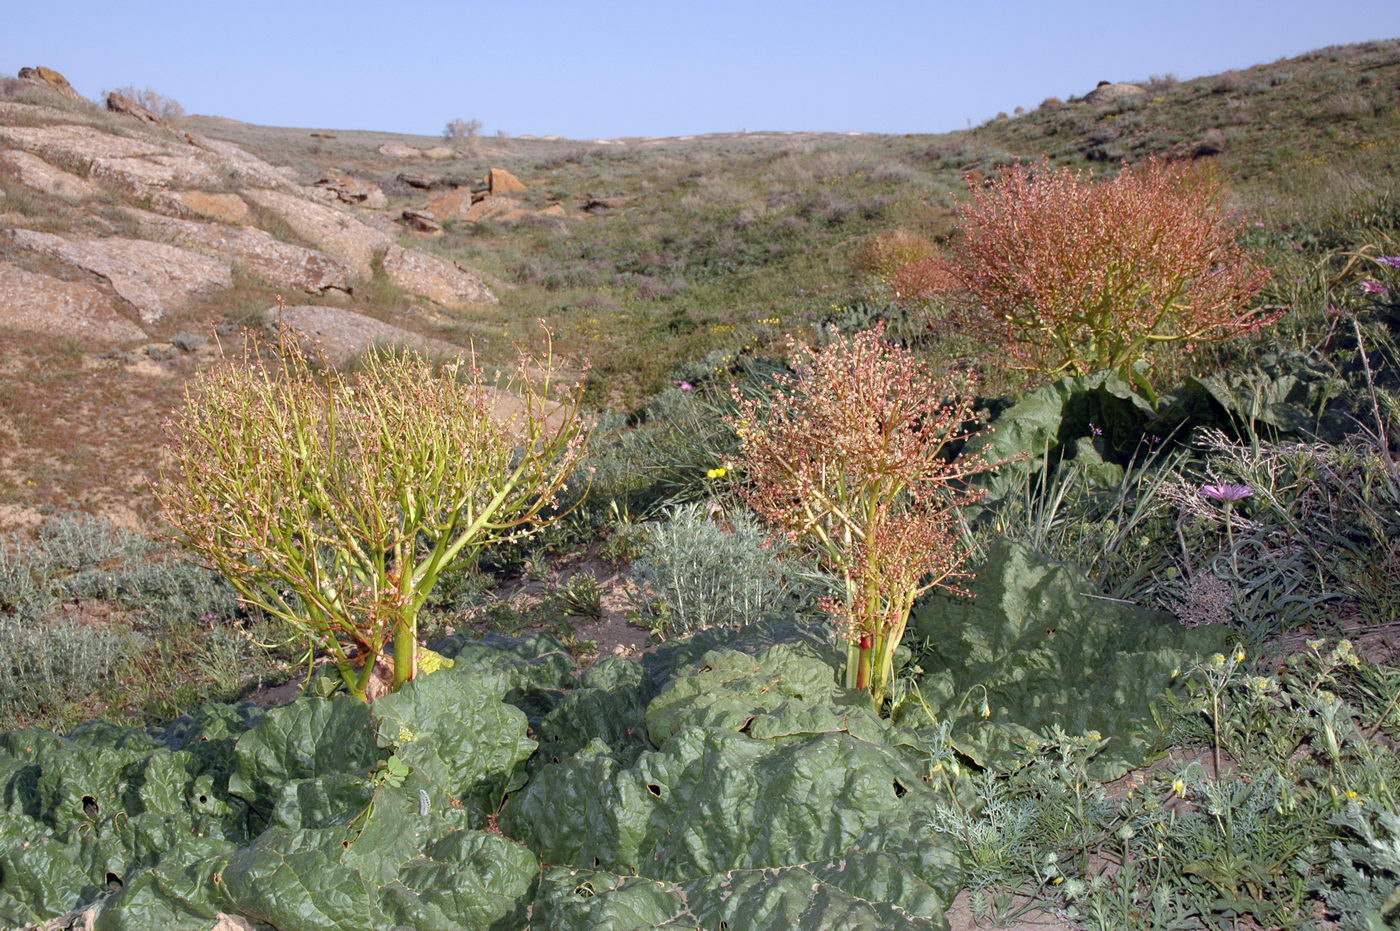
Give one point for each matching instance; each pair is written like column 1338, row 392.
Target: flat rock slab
column 327, row 228
column 155, row 171
column 225, row 208
column 439, row 280
column 141, row 163
column 35, row 303
column 280, row 264
column 38, row 174
column 244, row 167
column 343, row 334
column 157, row 279
column 80, row 146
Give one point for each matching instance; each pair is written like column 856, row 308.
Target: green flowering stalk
column 334, row 502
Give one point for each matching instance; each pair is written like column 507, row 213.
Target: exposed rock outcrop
column 500, row 181
column 120, row 103
column 422, row 222
column 439, row 280
column 427, row 182
column 450, row 205
column 394, row 150
column 242, row 166
column 225, row 208
column 280, row 264
column 1108, row 91
column 352, row 190
column 38, row 174
column 327, row 228
column 51, row 79
column 36, row 303
column 342, row 334
column 137, row 175
column 494, row 207
column 138, row 165
column 159, row 280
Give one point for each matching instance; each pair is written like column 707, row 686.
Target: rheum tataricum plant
column 334, row 501
column 853, row 453
column 1072, row 275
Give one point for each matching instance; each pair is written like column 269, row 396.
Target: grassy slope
column 713, row 234
column 726, row 241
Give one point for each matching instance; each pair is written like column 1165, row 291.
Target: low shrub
column 1073, row 276
column 701, row 569
column 854, row 455
column 48, row 669
column 334, row 501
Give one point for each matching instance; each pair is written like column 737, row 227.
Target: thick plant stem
column 405, row 651
column 852, row 665
column 863, row 669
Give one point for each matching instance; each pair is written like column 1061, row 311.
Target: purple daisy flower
column 1392, row 260
column 1373, row 287
column 1226, row 492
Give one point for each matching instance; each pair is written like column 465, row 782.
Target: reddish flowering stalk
column 853, row 454
column 334, row 502
column 1073, row 276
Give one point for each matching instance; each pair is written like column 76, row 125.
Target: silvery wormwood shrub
column 700, row 572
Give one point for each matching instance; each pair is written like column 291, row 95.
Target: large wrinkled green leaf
column 1032, row 650
column 311, row 737
column 863, row 890
column 1042, row 425
column 609, row 705
column 39, row 879
column 1287, row 392
column 468, row 879
column 467, row 748
column 682, row 654
column 713, row 800
column 779, row 692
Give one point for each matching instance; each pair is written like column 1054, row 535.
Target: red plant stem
column 863, row 670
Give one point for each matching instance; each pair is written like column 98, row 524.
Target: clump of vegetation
column 705, row 567
column 166, row 108
column 87, row 603
column 1073, row 276
column 334, row 502
column 853, row 454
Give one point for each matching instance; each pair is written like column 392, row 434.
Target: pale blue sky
column 601, row 69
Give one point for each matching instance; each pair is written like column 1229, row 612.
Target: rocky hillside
column 133, row 251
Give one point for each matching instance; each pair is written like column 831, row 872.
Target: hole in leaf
column 203, row 799
column 723, row 925
column 90, row 806
column 596, row 864
column 745, row 728
column 113, row 881
column 899, row 790
column 654, row 789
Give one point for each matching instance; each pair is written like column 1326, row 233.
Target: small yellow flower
column 1239, row 655
column 1179, row 787
column 1355, row 798
column 720, row 472
column 1217, row 660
